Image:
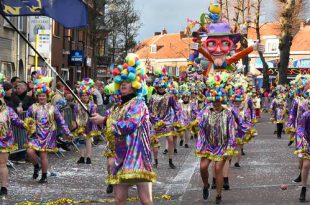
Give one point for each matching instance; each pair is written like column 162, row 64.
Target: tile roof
column 301, row 41
column 169, row 46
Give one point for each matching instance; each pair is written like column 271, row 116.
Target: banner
column 69, row 13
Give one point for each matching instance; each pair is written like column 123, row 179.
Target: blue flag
column 69, row 13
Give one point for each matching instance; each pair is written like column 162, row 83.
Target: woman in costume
column 43, row 126
column 278, row 110
column 216, row 136
column 298, row 108
column 131, row 130
column 109, row 152
column 8, row 118
column 164, row 110
column 303, row 132
column 188, row 110
column 84, row 129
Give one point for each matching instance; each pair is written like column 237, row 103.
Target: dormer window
column 153, row 48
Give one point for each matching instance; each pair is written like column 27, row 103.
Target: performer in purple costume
column 8, row 118
column 164, row 110
column 131, row 127
column 45, row 119
column 216, row 137
column 85, row 129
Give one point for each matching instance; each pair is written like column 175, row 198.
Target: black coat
column 26, row 100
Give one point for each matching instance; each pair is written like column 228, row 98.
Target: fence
column 21, row 135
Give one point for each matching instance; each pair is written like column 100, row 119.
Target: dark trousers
column 279, row 129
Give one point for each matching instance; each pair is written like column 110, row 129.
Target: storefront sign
column 76, row 58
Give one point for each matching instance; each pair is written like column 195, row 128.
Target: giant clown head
column 219, row 42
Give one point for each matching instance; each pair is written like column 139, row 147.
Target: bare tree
column 124, row 22
column 257, row 6
column 96, row 26
column 289, row 18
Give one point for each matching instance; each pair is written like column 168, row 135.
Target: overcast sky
column 172, row 14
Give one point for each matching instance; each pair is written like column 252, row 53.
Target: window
column 56, row 28
column 7, row 68
column 6, row 24
column 153, row 48
column 177, row 71
column 272, row 45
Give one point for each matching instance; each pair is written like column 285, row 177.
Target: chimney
column 164, row 31
column 182, row 34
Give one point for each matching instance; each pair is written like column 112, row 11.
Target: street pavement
column 268, row 164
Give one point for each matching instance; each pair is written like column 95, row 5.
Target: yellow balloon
column 124, row 72
column 136, row 85
column 116, row 86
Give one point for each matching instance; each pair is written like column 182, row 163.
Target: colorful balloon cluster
column 218, row 87
column 173, row 87
column 239, row 87
column 86, row 86
column 161, row 79
column 109, row 89
column 131, row 71
column 42, row 83
column 185, row 90
column 2, row 92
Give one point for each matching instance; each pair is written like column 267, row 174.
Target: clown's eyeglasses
column 212, row 44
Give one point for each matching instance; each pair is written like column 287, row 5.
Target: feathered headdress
column 86, row 86
column 185, row 90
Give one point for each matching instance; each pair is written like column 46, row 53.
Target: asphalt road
column 268, row 164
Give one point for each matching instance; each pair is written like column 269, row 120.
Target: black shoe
column 186, row 146
column 213, row 186
column 218, row 199
column 206, row 192
column 43, row 180
column 171, row 165
column 3, row 191
column 279, row 136
column 155, row 165
column 181, row 142
column 109, row 189
column 275, row 132
column 237, row 164
column 88, row 160
column 290, row 143
column 242, row 152
column 36, row 171
column 175, row 151
column 226, row 184
column 302, row 197
column 165, row 151
column 81, row 160
column 298, row 179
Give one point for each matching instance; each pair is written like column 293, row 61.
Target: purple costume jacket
column 84, row 127
column 47, row 119
column 216, row 137
column 133, row 156
column 163, row 114
column 8, row 117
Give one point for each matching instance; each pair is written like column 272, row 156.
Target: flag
column 69, row 13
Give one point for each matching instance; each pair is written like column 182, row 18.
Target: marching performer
column 84, row 129
column 42, row 124
column 8, row 117
column 131, row 130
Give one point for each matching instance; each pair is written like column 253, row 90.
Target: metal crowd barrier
column 21, row 135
